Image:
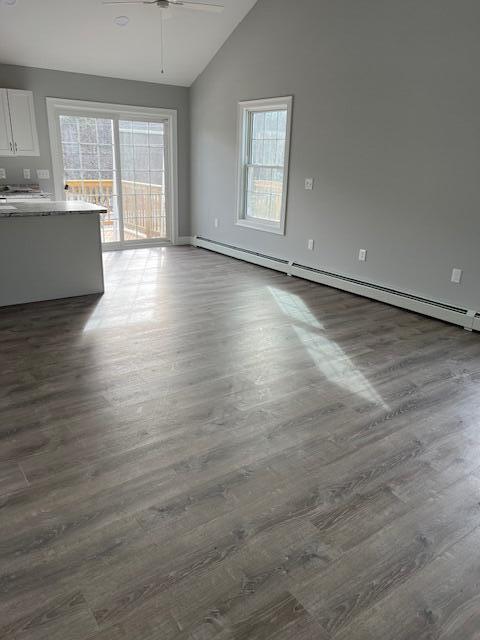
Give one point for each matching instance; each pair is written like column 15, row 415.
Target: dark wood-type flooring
column 215, row 451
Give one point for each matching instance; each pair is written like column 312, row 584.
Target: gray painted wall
column 76, row 86
column 386, row 119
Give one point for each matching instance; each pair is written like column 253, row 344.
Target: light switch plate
column 26, row 174
column 311, row 245
column 457, row 276
column 43, row 174
column 309, row 184
column 3, row 174
column 362, row 255
column 215, row 223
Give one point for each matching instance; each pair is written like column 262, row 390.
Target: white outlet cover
column 309, row 184
column 215, row 222
column 311, row 245
column 362, row 255
column 457, row 276
column 26, row 174
column 43, row 174
column 3, row 174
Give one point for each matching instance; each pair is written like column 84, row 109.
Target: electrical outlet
column 43, row 174
column 3, row 174
column 309, row 184
column 215, row 223
column 26, row 174
column 311, row 245
column 362, row 255
column 457, row 276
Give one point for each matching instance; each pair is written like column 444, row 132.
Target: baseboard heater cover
column 435, row 309
column 242, row 254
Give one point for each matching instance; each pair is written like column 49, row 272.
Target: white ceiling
column 80, row 35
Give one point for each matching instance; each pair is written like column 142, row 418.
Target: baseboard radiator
column 465, row 318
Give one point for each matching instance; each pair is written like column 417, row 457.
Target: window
column 264, row 141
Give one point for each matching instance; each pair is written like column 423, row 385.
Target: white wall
column 386, row 119
column 77, row 86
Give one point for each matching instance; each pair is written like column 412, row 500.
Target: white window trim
column 244, row 110
column 58, row 106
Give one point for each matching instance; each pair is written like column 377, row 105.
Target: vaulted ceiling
column 83, row 36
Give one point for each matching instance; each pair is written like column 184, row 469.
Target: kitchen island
column 49, row 250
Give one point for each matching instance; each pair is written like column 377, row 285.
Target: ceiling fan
column 166, row 4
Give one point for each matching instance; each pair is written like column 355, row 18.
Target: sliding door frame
column 59, row 106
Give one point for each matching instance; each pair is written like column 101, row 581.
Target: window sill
column 278, row 229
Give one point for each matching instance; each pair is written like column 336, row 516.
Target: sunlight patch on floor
column 328, row 356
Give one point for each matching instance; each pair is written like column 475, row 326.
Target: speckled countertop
column 47, row 208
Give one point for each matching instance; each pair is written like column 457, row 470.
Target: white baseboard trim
column 465, row 318
column 242, row 254
column 118, row 246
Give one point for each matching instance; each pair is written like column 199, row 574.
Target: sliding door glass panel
column 89, row 167
column 143, row 162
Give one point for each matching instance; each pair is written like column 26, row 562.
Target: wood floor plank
column 443, row 601
column 12, row 478
column 370, row 571
column 67, row 616
column 215, row 451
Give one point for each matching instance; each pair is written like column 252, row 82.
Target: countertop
column 17, row 195
column 47, row 208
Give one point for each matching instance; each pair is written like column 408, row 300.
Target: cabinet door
column 22, row 117
column 6, row 143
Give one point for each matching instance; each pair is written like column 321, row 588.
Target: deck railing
column 144, row 207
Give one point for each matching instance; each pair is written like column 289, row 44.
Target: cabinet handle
column 11, row 146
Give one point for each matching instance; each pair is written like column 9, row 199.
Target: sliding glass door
column 121, row 164
column 89, row 167
column 142, row 158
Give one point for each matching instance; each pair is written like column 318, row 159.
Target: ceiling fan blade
column 108, row 2
column 198, row 6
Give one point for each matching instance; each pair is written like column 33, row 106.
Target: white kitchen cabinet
column 18, row 129
column 6, row 144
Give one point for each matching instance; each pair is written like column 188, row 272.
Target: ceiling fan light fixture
column 121, row 21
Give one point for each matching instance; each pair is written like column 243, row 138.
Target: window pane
column 264, row 193
column 266, row 133
column 271, row 121
column 140, row 133
column 106, row 158
column 105, row 131
column 143, row 166
column 155, row 131
column 69, row 129
column 270, row 150
column 156, row 159
column 125, row 130
column 258, row 129
column 88, row 160
column 88, row 130
column 141, row 158
column 89, row 157
column 71, row 156
column 280, row 153
column 156, row 179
